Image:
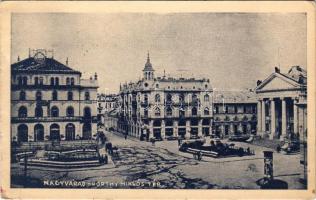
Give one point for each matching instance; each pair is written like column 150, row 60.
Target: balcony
column 44, row 119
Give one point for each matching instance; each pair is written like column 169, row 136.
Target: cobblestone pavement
column 143, row 165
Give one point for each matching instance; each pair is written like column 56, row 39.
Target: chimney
column 276, row 69
column 18, row 58
column 95, row 76
column 67, row 61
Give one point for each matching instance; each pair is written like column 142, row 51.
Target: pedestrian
column 125, row 136
column 278, row 148
column 199, row 155
column 179, row 142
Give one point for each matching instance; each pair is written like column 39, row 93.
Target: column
column 188, row 128
column 284, row 123
column 151, row 129
column 200, row 127
column 259, row 114
column 263, row 116
column 175, row 128
column 163, row 128
column 295, row 117
column 272, row 106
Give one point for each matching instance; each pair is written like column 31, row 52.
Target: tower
column 148, row 71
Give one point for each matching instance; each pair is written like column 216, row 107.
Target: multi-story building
column 162, row 107
column 234, row 113
column 106, row 105
column 50, row 101
column 280, row 98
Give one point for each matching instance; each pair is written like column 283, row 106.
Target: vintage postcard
column 158, row 100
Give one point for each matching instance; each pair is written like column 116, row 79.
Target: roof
column 46, row 65
column 241, row 96
column 148, row 65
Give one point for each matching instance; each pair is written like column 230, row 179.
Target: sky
column 233, row 50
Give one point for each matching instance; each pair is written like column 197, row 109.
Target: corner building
column 162, row 107
column 50, row 101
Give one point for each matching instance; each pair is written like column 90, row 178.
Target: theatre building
column 235, row 113
column 50, row 101
column 282, row 104
column 162, row 107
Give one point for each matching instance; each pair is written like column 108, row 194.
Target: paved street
column 142, row 165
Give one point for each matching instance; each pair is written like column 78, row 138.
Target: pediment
column 277, row 82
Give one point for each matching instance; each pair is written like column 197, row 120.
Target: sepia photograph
column 159, row 100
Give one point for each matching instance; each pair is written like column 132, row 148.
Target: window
column 87, row 96
column 38, row 95
column 52, row 81
column 24, row 80
column 194, row 111
column 54, row 95
column 145, row 112
column 157, row 85
column 169, row 111
column 70, row 111
column 38, row 111
column 20, row 80
column 56, row 81
column 169, row 99
column 87, row 112
column 145, row 98
column 157, row 98
column 67, row 81
column 157, row 111
column 22, row 111
column 54, row 111
column 206, row 111
column 216, row 109
column 72, row 81
column 22, row 95
column 36, row 80
column 205, row 86
column 206, row 98
column 181, row 112
column 41, row 80
column 70, row 96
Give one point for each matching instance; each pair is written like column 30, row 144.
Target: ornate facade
column 161, row 107
column 279, row 97
column 234, row 113
column 50, row 101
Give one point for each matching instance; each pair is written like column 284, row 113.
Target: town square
column 187, row 105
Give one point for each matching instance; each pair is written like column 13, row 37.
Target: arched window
column 206, row 111
column 70, row 132
column 38, row 111
column 87, row 96
column 54, row 95
column 36, row 81
column 54, row 111
column 56, row 81
column 194, row 111
column 38, row 132
column 22, row 111
column 38, row 95
column 22, row 95
column 145, row 98
column 22, row 133
column 70, row 96
column 52, row 81
column 206, row 98
column 157, row 111
column 181, row 98
column 169, row 111
column 72, row 81
column 67, row 81
column 70, row 111
column 54, row 132
column 157, row 98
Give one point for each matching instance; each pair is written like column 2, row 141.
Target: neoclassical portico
column 278, row 96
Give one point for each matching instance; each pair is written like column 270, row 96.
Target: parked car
column 171, row 137
column 291, row 146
